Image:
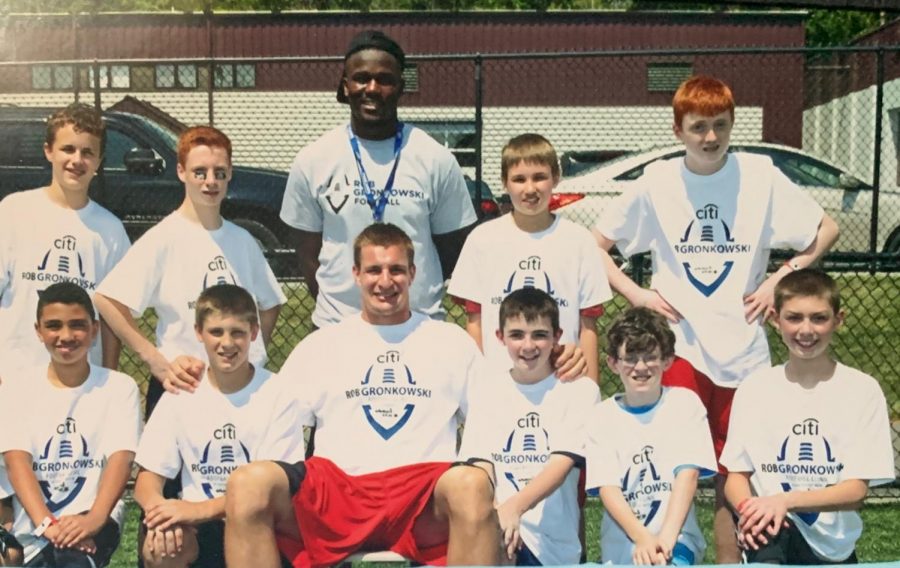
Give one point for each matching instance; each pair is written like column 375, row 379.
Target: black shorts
column 789, row 547
column 211, row 543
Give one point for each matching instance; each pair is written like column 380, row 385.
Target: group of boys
column 222, row 469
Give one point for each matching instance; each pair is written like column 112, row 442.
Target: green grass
column 879, row 542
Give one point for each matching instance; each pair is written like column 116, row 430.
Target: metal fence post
column 98, row 100
column 207, row 13
column 876, row 165
column 479, row 126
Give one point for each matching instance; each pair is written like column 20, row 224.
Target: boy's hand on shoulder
column 650, row 298
column 761, row 303
column 569, row 361
column 74, row 530
column 510, row 518
column 165, row 514
column 184, row 373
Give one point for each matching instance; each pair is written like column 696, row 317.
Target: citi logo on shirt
column 218, row 272
column 702, row 246
column 62, row 262
column 805, row 461
column 221, row 455
column 529, row 273
column 389, row 394
column 643, row 486
column 61, row 467
column 525, row 452
column 63, row 257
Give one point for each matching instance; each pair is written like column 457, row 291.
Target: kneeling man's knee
column 252, row 489
column 469, row 493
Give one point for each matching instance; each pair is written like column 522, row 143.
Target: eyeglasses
column 650, row 359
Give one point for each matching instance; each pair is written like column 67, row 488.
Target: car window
column 117, row 145
column 802, row 170
column 637, row 172
column 23, row 144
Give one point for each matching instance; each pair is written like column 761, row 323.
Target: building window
column 224, row 76
column 230, row 76
column 245, row 75
column 176, row 76
column 111, row 77
column 52, row 77
column 666, row 77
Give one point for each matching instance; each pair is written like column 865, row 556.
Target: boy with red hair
column 188, row 251
column 709, row 220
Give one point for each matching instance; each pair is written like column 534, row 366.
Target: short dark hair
column 65, row 293
column 82, row 117
column 226, row 299
column 807, row 282
column 640, row 330
column 382, row 235
column 531, row 304
column 371, row 39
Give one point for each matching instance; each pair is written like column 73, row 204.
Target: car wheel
column 893, row 243
column 264, row 236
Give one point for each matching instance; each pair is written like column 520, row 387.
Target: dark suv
column 138, row 181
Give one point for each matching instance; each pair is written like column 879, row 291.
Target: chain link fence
column 829, row 119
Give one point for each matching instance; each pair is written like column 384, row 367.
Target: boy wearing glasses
column 188, row 251
column 648, row 472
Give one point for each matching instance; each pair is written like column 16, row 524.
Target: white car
column 847, row 199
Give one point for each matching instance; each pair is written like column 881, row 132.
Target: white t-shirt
column 324, row 195
column 208, row 434
column 563, row 261
column 42, row 243
column 383, row 396
column 710, row 238
column 70, row 433
column 640, row 452
column 173, row 262
column 517, row 427
column 798, row 439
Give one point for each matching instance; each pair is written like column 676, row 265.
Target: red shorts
column 339, row 514
column 715, row 398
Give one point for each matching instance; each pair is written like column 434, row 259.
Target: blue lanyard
column 379, row 206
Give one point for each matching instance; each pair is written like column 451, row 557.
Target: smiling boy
column 69, row 457
column 798, row 476
column 76, row 240
column 238, row 414
column 526, row 429
column 647, row 472
column 532, row 247
column 710, row 220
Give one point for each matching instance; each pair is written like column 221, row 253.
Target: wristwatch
column 48, row 522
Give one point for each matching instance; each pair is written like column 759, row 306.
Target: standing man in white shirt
column 374, row 169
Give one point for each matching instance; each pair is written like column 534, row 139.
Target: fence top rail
column 482, row 56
